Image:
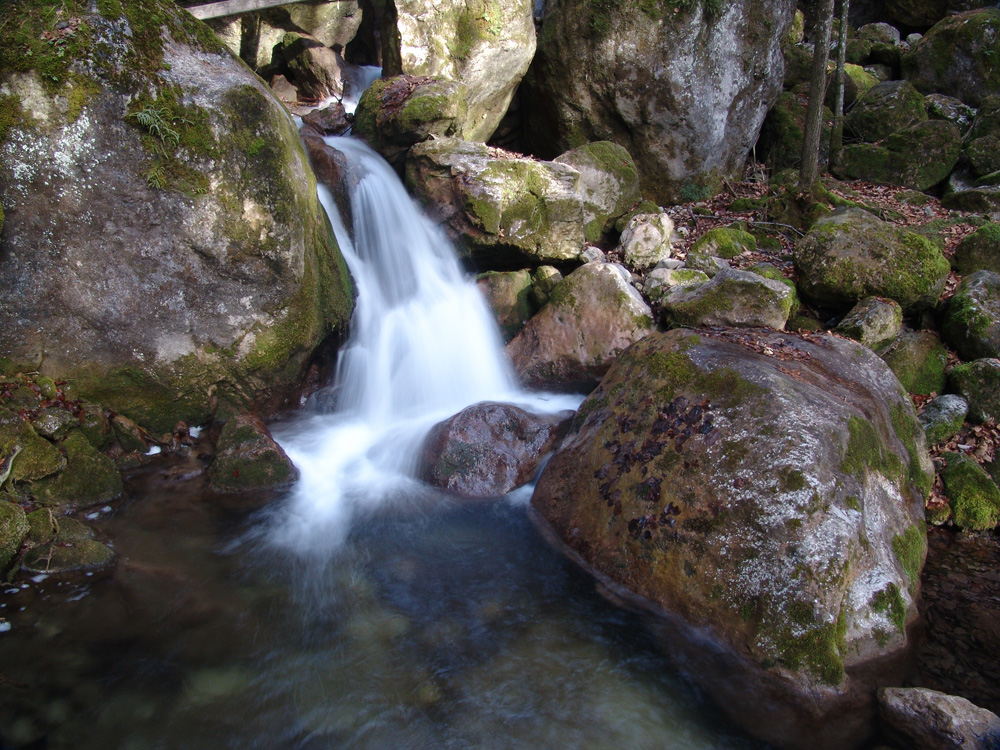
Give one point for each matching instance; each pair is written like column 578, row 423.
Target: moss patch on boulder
column 972, row 319
column 13, row 529
column 247, row 458
column 90, row 477
column 972, row 493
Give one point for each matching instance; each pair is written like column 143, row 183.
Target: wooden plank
column 234, row 7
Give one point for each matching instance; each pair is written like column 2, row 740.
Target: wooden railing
column 234, row 7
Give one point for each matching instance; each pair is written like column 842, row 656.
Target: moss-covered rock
column 762, row 493
column 660, row 281
column 770, row 271
column 943, row 418
column 13, row 529
column 725, row 242
column 63, row 557
column 509, row 296
column 646, row 239
column 543, row 281
column 38, row 457
column 95, row 425
column 972, row 495
column 917, row 157
column 54, row 422
column 779, row 144
column 980, row 251
column 972, row 319
column 90, row 477
column 248, row 459
column 959, row 56
column 229, row 251
column 709, row 265
column 873, row 322
column 395, row 113
column 950, row 109
column 857, row 82
column 731, row 298
column 978, row 382
column 851, row 254
column 918, row 359
column 982, row 144
column 885, row 109
column 609, row 185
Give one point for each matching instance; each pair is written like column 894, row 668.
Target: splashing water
column 423, row 347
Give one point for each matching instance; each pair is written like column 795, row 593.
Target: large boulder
column 489, row 449
column 500, row 207
column 980, row 251
column 164, row 247
column 982, row 145
column 683, row 87
column 486, row 45
column 731, row 298
column 928, row 720
column 762, row 494
column 922, row 14
column 885, row 109
column 958, row 56
column 609, row 185
column 592, row 316
column 972, row 318
column 780, row 142
column 852, row 254
column 247, row 458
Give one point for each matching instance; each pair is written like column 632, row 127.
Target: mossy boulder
column 395, row 113
column 543, row 281
column 609, row 185
column 943, row 417
column 762, row 495
column 485, row 44
column 885, row 109
column 660, row 281
column 500, row 208
column 654, row 77
column 973, row 496
column 982, row 144
column 851, row 254
column 978, row 382
column 918, row 359
column 195, row 267
column 725, row 242
column 779, row 144
column 592, row 316
column 950, row 109
column 13, row 529
column 972, row 319
column 873, row 322
column 646, row 240
column 731, row 298
column 857, row 82
column 38, row 457
column 959, row 56
column 248, row 459
column 918, row 157
column 709, row 265
column 90, row 477
column 64, row 557
column 980, row 251
column 509, row 296
column 317, row 69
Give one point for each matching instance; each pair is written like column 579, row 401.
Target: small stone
column 54, row 423
column 707, row 264
column 873, row 322
column 593, row 254
column 725, row 242
column 56, row 557
column 646, row 240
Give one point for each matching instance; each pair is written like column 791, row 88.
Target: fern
column 156, row 177
column 152, row 119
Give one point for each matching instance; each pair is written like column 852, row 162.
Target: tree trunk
column 837, row 134
column 817, row 90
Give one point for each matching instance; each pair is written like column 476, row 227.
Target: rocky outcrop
column 163, row 244
column 683, row 88
column 486, row 45
column 592, row 316
column 761, row 494
column 851, row 254
column 247, row 458
column 489, row 449
column 958, row 57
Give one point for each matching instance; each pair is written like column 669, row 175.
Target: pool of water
column 435, row 624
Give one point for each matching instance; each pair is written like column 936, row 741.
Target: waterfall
column 423, row 346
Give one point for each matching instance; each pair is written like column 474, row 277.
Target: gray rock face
column 684, row 92
column 972, row 320
column 928, row 720
column 170, row 266
column 592, row 316
column 731, row 298
column 498, row 206
column 489, row 449
column 762, row 495
column 486, row 46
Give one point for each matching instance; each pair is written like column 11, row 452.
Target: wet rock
column 972, row 319
column 873, row 322
column 130, row 436
column 943, row 418
column 13, row 529
column 395, row 113
column 489, row 449
column 608, row 187
column 63, row 557
column 95, row 425
column 43, row 526
column 54, row 422
column 332, row 120
column 918, row 359
column 90, row 478
column 928, row 720
column 317, row 68
column 978, row 382
column 973, row 496
column 730, row 298
column 980, row 251
column 509, row 296
column 38, row 457
column 707, row 472
column 958, row 57
column 592, row 316
column 851, row 254
column 247, row 458
column 645, row 241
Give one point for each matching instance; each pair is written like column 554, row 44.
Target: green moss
column 791, row 480
column 907, row 428
column 910, row 548
column 890, row 601
column 853, row 503
column 973, row 496
column 89, row 478
column 866, row 452
column 725, row 242
column 14, row 528
column 477, row 21
column 817, row 650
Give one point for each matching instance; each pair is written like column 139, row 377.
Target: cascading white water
column 423, row 346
